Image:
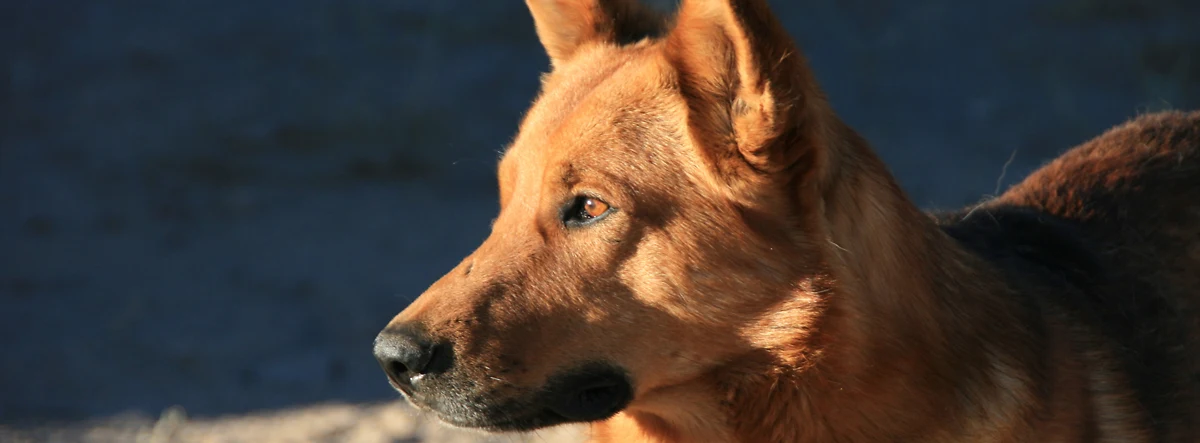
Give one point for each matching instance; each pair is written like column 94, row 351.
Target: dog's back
column 1108, row 236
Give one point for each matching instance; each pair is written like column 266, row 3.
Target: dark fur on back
column 1110, row 234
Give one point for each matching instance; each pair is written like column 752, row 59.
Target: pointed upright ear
column 564, row 26
column 753, row 104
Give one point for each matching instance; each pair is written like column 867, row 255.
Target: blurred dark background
column 217, row 204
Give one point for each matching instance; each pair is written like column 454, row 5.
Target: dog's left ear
column 564, row 26
column 754, row 105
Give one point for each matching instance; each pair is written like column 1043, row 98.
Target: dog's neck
column 895, row 290
column 900, row 293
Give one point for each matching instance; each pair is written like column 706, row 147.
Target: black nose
column 406, row 355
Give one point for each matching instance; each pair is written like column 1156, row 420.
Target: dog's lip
column 521, row 413
column 543, row 418
column 530, row 421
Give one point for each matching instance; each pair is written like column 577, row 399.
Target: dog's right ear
column 564, row 26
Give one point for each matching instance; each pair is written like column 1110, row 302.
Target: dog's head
column 657, row 222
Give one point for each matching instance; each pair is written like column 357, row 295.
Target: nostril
column 406, row 356
column 397, row 373
column 396, row 370
column 398, row 355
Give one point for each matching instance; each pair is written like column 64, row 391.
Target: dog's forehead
column 606, row 96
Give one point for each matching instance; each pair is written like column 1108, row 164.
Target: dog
column 692, row 247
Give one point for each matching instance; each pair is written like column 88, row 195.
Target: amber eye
column 584, row 210
column 593, row 207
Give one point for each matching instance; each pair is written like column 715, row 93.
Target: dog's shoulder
column 1057, row 265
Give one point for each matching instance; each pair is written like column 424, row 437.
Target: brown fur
column 764, row 279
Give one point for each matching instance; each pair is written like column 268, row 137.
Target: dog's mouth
column 591, row 393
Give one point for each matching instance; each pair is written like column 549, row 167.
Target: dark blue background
column 218, row 203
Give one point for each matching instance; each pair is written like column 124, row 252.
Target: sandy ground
column 217, row 205
column 332, row 423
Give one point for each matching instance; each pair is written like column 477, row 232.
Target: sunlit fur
column 764, row 279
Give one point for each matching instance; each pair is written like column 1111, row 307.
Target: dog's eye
column 584, row 210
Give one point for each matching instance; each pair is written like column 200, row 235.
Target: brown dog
column 691, row 246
